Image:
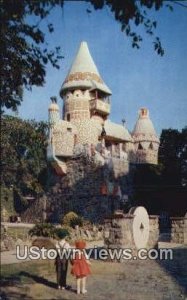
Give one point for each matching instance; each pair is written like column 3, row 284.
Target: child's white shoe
column 84, row 291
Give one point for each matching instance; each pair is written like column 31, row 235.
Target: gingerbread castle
column 85, row 128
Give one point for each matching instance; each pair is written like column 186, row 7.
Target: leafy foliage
column 72, row 219
column 131, row 14
column 163, row 187
column 68, row 217
column 24, row 48
column 172, row 167
column 7, row 201
column 173, row 156
column 44, row 229
column 147, row 175
column 61, row 233
column 76, row 221
column 23, row 156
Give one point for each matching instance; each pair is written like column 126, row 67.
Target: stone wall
column 79, row 191
column 153, row 231
column 118, row 232
column 179, row 230
column 120, row 167
column 76, row 105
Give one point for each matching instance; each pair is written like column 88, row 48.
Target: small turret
column 54, row 112
column 146, row 141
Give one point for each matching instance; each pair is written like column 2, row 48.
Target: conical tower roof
column 84, row 73
column 144, row 129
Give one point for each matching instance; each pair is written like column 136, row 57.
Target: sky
column 137, row 78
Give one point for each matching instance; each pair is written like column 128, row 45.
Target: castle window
column 140, row 147
column 69, row 129
column 68, row 117
column 151, row 146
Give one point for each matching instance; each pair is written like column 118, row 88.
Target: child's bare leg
column 84, row 285
column 78, row 285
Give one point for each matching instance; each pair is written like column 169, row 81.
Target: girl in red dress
column 80, row 267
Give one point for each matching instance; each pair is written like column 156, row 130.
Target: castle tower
column 146, row 141
column 86, row 97
column 84, row 93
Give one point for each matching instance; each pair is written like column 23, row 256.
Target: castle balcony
column 100, row 106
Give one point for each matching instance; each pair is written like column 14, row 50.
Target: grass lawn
column 37, row 280
column 18, row 232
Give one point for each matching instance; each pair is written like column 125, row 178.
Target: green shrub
column 72, row 219
column 43, row 229
column 68, row 217
column 76, row 221
column 61, row 233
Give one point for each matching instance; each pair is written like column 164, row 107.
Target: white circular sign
column 140, row 226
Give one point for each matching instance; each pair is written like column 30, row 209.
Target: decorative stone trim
column 83, row 76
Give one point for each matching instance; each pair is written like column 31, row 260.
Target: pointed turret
column 144, row 130
column 145, row 139
column 84, row 73
column 84, row 92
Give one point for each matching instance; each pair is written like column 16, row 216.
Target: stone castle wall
column 81, row 191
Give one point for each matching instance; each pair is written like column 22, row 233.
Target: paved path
column 131, row 280
column 16, row 225
column 9, row 257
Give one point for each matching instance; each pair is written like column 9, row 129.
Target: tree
column 173, row 156
column 23, row 157
column 172, row 166
column 129, row 13
column 163, row 186
column 43, row 229
column 24, row 49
